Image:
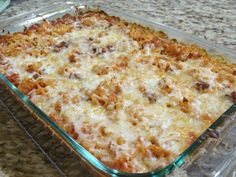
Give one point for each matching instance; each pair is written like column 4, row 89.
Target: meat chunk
column 102, row 50
column 232, row 96
column 36, row 76
column 60, row 46
column 201, row 86
column 152, row 97
column 75, row 76
column 234, row 72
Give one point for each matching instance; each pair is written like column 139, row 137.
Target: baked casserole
column 130, row 95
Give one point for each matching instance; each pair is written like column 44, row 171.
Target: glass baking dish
column 223, row 123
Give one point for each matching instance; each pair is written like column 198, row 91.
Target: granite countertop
column 212, row 20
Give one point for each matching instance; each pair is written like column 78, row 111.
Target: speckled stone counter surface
column 212, row 20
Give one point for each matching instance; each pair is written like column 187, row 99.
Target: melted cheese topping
column 131, row 96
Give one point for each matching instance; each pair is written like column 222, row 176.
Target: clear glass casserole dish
column 57, row 10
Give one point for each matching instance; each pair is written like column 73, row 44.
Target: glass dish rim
column 74, row 144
